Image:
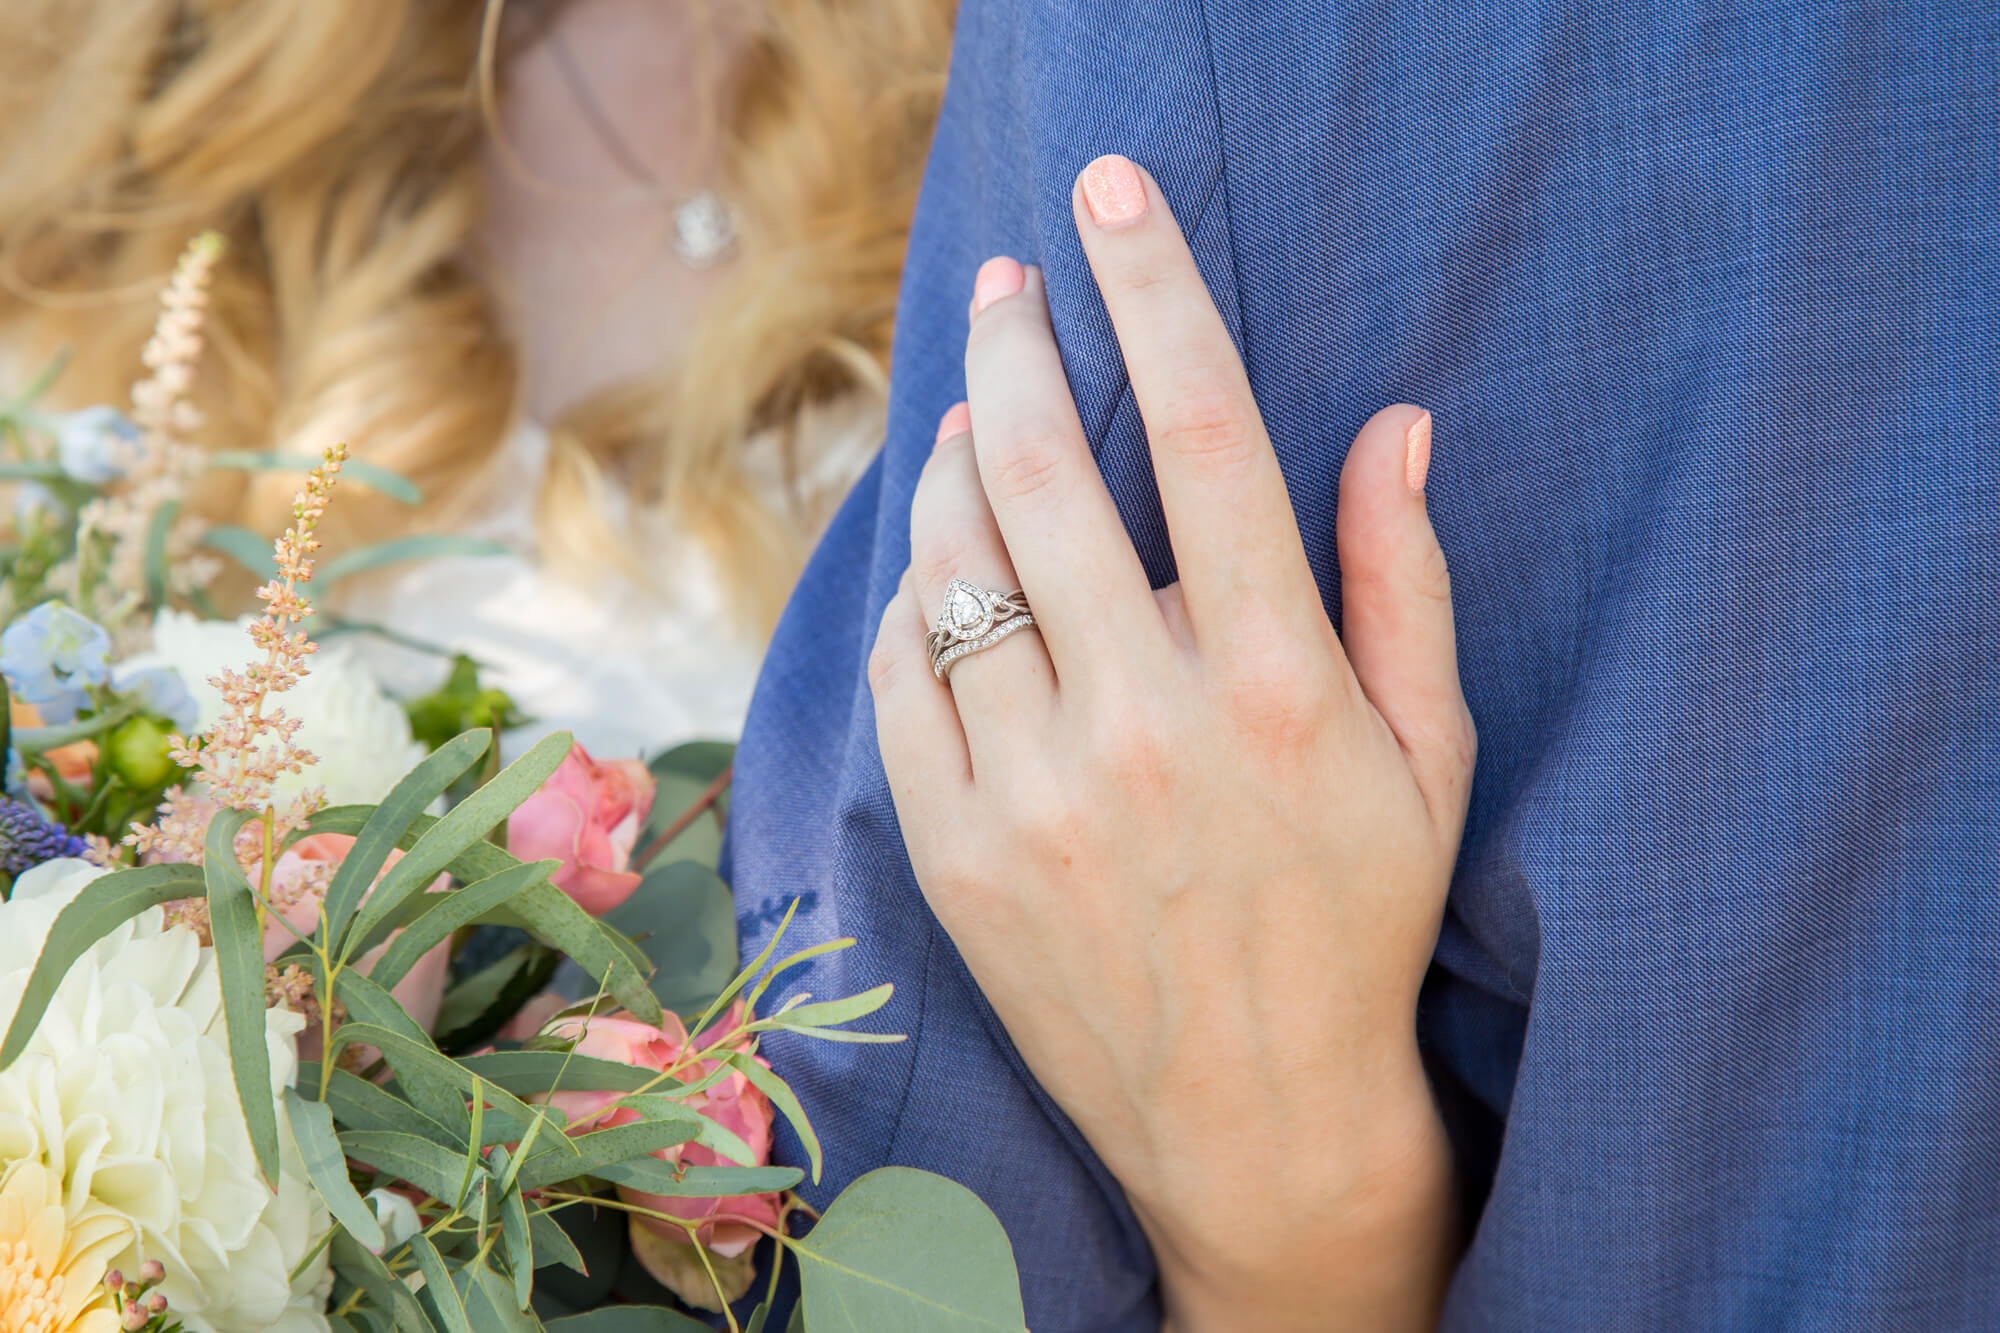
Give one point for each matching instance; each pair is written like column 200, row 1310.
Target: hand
column 1194, row 846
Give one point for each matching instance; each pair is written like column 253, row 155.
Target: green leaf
column 543, row 910
column 431, row 547
column 681, row 777
column 468, row 822
column 460, row 908
column 840, row 1034
column 239, row 966
column 102, row 906
column 629, row 1319
column 30, row 471
column 326, row 1166
column 715, row 1137
column 245, row 547
column 729, row 992
column 653, row 1176
column 491, row 1303
column 390, row 1296
column 547, row 1237
column 781, row 1097
column 515, row 1234
column 683, row 917
column 606, row 1147
column 40, row 740
column 905, row 1249
column 483, row 1002
column 431, row 1167
column 158, row 528
column 791, row 961
column 368, row 1003
column 437, row 1285
column 829, row 1012
column 358, row 1104
column 419, row 1062
column 372, row 475
column 389, row 821
column 526, row 1073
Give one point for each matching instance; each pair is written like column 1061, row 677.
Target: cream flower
column 361, row 735
column 52, row 1273
column 125, row 1096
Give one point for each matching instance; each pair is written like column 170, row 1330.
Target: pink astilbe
column 239, row 760
column 161, row 467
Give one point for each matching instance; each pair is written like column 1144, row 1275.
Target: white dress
column 630, row 672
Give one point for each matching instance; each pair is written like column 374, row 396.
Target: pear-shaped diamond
column 965, row 610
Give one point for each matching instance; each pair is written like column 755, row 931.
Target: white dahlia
column 125, row 1096
column 361, row 735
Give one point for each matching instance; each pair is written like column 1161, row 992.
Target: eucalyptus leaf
column 466, row 823
column 490, row 1301
column 239, row 966
column 782, row 1097
column 158, row 528
column 358, row 1104
column 372, row 475
column 435, row 546
column 547, row 1237
column 516, row 1236
column 30, row 471
column 785, row 964
column 605, row 1147
column 711, row 1135
column 326, row 1166
column 650, row 1175
column 431, row 1167
column 526, row 1073
column 684, row 919
column 387, row 823
column 829, row 1012
column 443, row 1295
column 543, row 910
column 907, row 1250
column 368, row 1003
column 245, row 547
column 102, row 906
column 482, row 1003
column 418, row 1061
column 390, row 1297
column 461, row 908
column 629, row 1319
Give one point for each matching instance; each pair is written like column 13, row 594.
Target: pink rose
column 587, row 815
column 298, row 887
column 733, row 1102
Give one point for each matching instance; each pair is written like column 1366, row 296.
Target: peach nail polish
column 1113, row 191
column 1417, row 453
column 958, row 421
column 998, row 277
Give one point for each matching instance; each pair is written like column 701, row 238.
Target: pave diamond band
column 941, row 664
column 973, row 618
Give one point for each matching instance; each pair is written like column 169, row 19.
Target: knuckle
column 939, row 557
column 1431, row 579
column 1208, row 422
column 885, row 665
column 1275, row 703
column 1026, row 464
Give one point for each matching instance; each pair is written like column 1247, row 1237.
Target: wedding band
column 973, row 618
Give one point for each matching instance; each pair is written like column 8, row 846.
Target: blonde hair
column 338, row 152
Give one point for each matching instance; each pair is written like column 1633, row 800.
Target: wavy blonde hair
column 338, row 152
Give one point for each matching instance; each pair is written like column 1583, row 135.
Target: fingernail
column 1114, row 191
column 958, row 421
column 1417, row 453
column 998, row 277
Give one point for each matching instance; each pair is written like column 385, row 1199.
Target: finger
column 1396, row 608
column 953, row 536
column 1082, row 576
column 1235, row 537
column 916, row 726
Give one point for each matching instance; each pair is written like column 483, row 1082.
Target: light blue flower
column 32, row 498
column 51, row 657
column 91, row 445
column 160, row 691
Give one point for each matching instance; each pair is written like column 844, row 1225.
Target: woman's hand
column 1193, row 846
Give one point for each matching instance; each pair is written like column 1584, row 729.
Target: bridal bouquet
column 277, row 1044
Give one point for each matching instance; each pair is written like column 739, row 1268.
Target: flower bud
column 152, row 1271
column 138, row 751
column 114, row 1280
column 157, row 1302
column 133, row 1318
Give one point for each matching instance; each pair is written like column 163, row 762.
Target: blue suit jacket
column 1702, row 298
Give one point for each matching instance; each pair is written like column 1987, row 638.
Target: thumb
column 1396, row 620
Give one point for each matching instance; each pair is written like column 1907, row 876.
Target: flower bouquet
column 272, row 1062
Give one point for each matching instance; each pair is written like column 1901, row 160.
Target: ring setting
column 973, row 618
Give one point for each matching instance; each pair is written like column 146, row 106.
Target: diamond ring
column 973, row 618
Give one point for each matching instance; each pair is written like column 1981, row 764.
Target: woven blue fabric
column 1702, row 298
